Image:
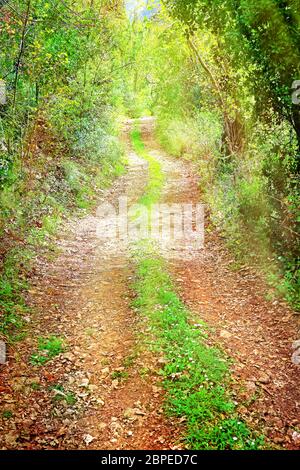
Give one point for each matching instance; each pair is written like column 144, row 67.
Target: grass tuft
column 48, row 348
column 156, row 179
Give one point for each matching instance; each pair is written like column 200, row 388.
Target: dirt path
column 109, row 389
column 84, row 297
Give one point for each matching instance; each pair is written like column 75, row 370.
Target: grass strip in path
column 196, row 376
column 152, row 192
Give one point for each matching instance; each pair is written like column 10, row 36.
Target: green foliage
column 122, row 375
column 219, row 78
column 57, row 68
column 35, row 386
column 7, row 414
column 264, row 33
column 48, row 348
column 196, row 376
column 12, row 283
column 58, row 129
column 61, row 395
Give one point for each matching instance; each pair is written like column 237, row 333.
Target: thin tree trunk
column 21, row 50
column 218, row 91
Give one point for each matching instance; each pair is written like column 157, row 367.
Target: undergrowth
column 253, row 197
column 37, row 202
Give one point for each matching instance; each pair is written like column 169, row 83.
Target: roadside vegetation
column 59, row 130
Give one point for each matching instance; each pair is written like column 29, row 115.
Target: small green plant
column 119, row 375
column 144, row 371
column 61, row 395
column 48, row 348
column 229, row 433
column 7, row 414
column 129, row 360
column 35, row 386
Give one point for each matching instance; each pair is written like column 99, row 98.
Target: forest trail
column 104, row 391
